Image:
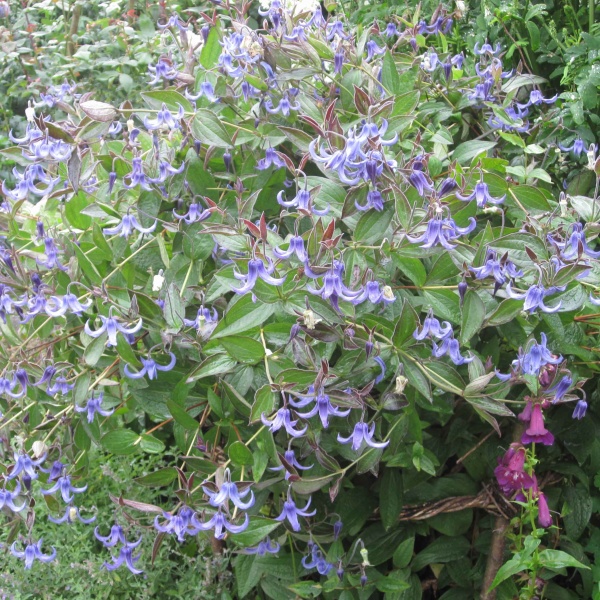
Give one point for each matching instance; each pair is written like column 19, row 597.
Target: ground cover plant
column 293, row 306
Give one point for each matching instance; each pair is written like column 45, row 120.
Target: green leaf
column 306, row 589
column 389, row 74
column 405, row 326
column 557, row 559
column 576, row 511
column 417, row 379
column 181, row 416
column 308, row 485
column 94, row 350
column 217, row 364
column 530, row 198
column 240, row 455
column 445, row 304
column 243, row 316
column 390, row 497
column 238, row 401
column 243, row 349
column 172, row 99
column 258, row 529
column 404, row 553
column 208, row 129
column 490, row 406
column 513, row 566
column 467, row 151
column 120, row 441
column 211, row 51
column 151, row 444
column 507, row 310
column 265, row 401
column 442, row 550
column 174, row 308
column 473, row 316
column 158, row 478
column 373, row 225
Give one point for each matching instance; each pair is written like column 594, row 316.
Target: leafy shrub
column 306, row 279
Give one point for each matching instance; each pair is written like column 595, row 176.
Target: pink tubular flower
column 510, row 472
column 537, row 432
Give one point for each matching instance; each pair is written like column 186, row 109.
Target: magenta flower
column 537, row 433
column 510, row 471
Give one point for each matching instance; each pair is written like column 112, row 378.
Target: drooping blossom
column 442, row 231
column 315, row 560
column 580, row 410
column 510, row 472
column 362, row 435
column 264, row 547
column 228, row 492
column 126, row 557
column 534, row 297
column 450, row 346
column 501, row 269
column 283, row 418
column 256, row 270
column 205, row 321
column 150, row 368
column 164, row 119
column 291, row 512
column 271, row 158
column 575, row 243
column 128, row 224
column 25, row 465
column 7, row 499
column 220, row 524
column 531, row 360
column 333, row 288
column 111, row 327
column 295, row 247
column 66, row 488
column 481, row 195
column 560, row 388
column 71, row 516
column 181, row 524
column 322, row 406
column 432, row 328
column 290, row 459
column 115, row 535
column 537, row 433
column 93, row 406
column 32, row 552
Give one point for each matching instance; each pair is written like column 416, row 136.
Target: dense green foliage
column 367, row 218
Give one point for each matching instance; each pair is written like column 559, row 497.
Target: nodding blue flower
column 126, row 556
column 290, row 458
column 229, row 491
column 302, row 201
column 174, row 21
column 487, row 49
column 322, row 406
column 165, row 169
column 226, row 64
column 291, row 512
column 560, row 388
column 430, row 61
column 126, row 227
column 32, row 552
column 432, row 328
column 283, row 418
column 181, row 524
column 60, row 385
column 338, row 62
column 111, row 326
column 391, row 30
column 440, row 25
column 256, row 270
column 59, row 307
column 443, row 231
column 449, row 346
column 536, row 98
column 206, row 90
column 48, row 149
column 26, row 183
column 26, row 465
column 580, row 410
column 163, row 69
column 55, row 471
column 63, row 484
column 500, row 269
column 219, row 523
column 115, row 128
column 32, row 132
column 7, row 301
column 7, row 498
column 532, row 359
column 419, row 180
column 374, row 50
column 482, row 92
column 51, row 251
column 375, row 294
column 47, row 375
column 36, row 305
column 164, row 119
column 570, row 248
column 493, row 70
column 381, row 364
column 93, row 406
column 295, row 246
column 534, row 297
column 70, row 516
column 205, row 321
column 577, row 147
column 150, row 368
column 116, row 535
column 593, row 300
column 297, row 35
column 336, row 28
column 362, row 435
column 333, row 288
column 284, row 107
column 481, row 194
column 374, row 200
column 271, row 158
column 137, row 176
column 264, row 547
column 316, row 560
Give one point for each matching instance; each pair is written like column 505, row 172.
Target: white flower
column 157, row 281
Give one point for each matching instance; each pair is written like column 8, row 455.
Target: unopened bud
column 462, row 290
column 157, row 281
column 364, row 553
column 310, row 321
column 401, row 382
column 39, row 449
column 72, row 513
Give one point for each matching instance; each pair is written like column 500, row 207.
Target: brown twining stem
column 73, row 29
column 495, row 558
